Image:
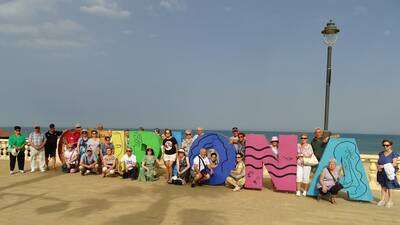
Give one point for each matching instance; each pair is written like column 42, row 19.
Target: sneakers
column 12, row 172
column 389, row 205
column 21, row 172
column 87, row 172
column 304, row 193
column 381, row 203
column 298, row 193
column 32, row 171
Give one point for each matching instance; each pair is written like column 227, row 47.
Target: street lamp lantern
column 330, row 36
column 330, row 33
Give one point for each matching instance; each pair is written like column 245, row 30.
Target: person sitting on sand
column 275, row 146
column 71, row 159
column 88, row 163
column 386, row 176
column 109, row 163
column 148, row 167
column 129, row 165
column 201, row 169
column 328, row 184
column 237, row 177
column 182, row 166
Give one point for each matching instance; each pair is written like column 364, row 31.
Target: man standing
column 51, row 145
column 319, row 142
column 72, row 136
column 234, row 140
column 36, row 142
column 200, row 132
column 16, row 148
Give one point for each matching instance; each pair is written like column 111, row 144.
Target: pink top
column 306, row 150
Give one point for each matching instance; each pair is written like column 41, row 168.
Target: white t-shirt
column 197, row 162
column 130, row 161
column 70, row 154
column 94, row 145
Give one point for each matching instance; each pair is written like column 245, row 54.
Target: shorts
column 50, row 152
column 303, row 174
column 169, row 157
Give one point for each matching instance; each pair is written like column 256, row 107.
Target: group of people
column 94, row 153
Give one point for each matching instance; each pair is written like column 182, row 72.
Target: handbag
column 310, row 161
column 338, row 186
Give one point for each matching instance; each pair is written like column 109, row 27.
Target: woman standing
column 304, row 150
column 187, row 141
column 169, row 146
column 386, row 176
column 148, row 170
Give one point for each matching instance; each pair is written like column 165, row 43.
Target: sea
column 367, row 143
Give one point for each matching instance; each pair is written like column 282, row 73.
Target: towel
column 390, row 171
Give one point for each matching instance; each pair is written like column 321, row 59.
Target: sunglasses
column 304, row 138
column 386, row 145
column 238, row 157
column 128, row 150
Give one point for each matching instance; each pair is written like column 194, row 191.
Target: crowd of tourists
column 94, row 153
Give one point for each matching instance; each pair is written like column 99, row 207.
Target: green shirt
column 16, row 141
column 318, row 147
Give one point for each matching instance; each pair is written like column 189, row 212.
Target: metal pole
column 328, row 87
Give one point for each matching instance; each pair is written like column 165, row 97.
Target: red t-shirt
column 72, row 137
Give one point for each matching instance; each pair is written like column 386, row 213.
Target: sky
column 256, row 64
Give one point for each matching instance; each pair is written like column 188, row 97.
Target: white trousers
column 39, row 157
column 303, row 174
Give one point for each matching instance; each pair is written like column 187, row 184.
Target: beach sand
column 57, row 198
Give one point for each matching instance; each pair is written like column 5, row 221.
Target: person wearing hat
column 169, row 146
column 88, row 163
column 182, row 166
column 50, row 147
column 234, row 139
column 36, row 142
column 129, row 164
column 82, row 145
column 187, row 141
column 275, row 145
column 72, row 136
column 16, row 148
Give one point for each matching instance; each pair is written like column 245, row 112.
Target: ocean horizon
column 367, row 143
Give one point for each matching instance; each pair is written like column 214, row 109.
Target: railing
column 370, row 163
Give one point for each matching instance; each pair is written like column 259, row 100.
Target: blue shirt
column 387, row 159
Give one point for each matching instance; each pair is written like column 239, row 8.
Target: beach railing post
column 373, row 169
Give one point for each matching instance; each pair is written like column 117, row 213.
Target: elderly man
column 36, row 142
column 201, row 168
column 200, row 132
column 319, row 142
column 234, row 139
column 72, row 136
column 88, row 163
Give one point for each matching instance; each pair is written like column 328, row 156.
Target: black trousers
column 20, row 158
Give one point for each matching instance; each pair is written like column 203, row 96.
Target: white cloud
column 22, row 10
column 173, row 5
column 106, row 8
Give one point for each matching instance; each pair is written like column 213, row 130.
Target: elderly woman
column 182, row 166
column 71, row 159
column 187, row 141
column 328, row 184
column 304, row 151
column 109, row 163
column 386, row 176
column 148, row 169
column 237, row 177
column 275, row 146
column 242, row 143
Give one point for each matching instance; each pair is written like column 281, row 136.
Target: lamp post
column 330, row 36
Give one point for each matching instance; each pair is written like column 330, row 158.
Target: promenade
column 57, row 198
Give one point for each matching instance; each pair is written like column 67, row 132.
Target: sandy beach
column 57, row 198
